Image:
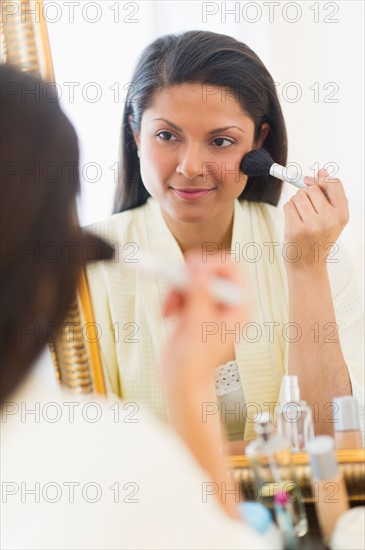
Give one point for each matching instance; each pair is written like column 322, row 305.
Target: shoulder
column 116, row 439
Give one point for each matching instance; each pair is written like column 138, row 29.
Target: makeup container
column 270, row 460
column 346, row 423
column 294, row 417
column 328, row 486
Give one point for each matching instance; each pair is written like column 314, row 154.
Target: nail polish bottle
column 346, row 423
column 294, row 417
column 328, row 485
column 270, row 460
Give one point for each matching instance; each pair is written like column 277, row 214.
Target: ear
column 265, row 129
column 136, row 135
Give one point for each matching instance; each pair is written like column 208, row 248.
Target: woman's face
column 191, row 143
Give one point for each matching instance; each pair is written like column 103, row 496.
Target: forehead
column 201, row 103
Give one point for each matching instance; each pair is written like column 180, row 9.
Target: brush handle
column 287, row 174
column 225, row 292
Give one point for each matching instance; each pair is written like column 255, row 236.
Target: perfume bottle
column 294, row 417
column 329, row 490
column 347, row 423
column 270, row 460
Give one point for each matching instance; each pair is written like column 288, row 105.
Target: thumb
column 322, row 173
column 173, row 304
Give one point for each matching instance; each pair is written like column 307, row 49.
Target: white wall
column 302, row 43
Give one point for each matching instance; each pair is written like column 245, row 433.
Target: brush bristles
column 257, row 163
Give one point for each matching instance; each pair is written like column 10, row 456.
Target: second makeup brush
column 224, row 291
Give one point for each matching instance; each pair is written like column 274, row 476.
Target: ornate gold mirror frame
column 351, row 463
column 77, row 362
column 25, row 43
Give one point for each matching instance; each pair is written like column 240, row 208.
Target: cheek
column 156, row 170
column 159, row 162
column 236, row 183
column 230, row 174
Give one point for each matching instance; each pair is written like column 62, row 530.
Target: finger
column 293, row 221
column 318, row 199
column 201, row 296
column 332, row 188
column 215, row 267
column 322, row 173
column 174, row 303
column 303, row 206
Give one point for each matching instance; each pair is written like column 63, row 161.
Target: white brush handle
column 287, row 174
column 225, row 292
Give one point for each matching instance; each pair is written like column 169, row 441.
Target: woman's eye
column 222, row 142
column 166, row 136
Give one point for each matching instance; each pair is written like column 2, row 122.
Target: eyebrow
column 215, row 131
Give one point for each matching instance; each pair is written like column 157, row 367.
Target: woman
column 78, row 473
column 197, row 103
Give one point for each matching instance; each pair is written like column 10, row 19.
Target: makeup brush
column 224, row 291
column 259, row 163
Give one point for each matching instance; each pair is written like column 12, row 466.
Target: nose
column 191, row 162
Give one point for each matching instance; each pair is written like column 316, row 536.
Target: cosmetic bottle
column 270, row 460
column 284, row 521
column 294, row 417
column 346, row 423
column 328, row 486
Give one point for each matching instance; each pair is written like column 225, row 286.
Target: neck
column 211, row 236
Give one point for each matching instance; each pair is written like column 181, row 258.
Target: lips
column 194, row 194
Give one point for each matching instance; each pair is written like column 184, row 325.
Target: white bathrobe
column 133, row 332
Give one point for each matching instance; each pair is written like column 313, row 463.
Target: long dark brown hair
column 42, row 245
column 206, row 58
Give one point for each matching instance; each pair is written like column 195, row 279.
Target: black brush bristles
column 257, row 163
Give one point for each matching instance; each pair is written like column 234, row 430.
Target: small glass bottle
column 270, row 459
column 294, row 417
column 329, row 490
column 346, row 423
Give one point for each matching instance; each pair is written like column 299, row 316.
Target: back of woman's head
column 41, row 247
column 216, row 60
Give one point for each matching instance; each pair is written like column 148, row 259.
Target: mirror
column 305, row 96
